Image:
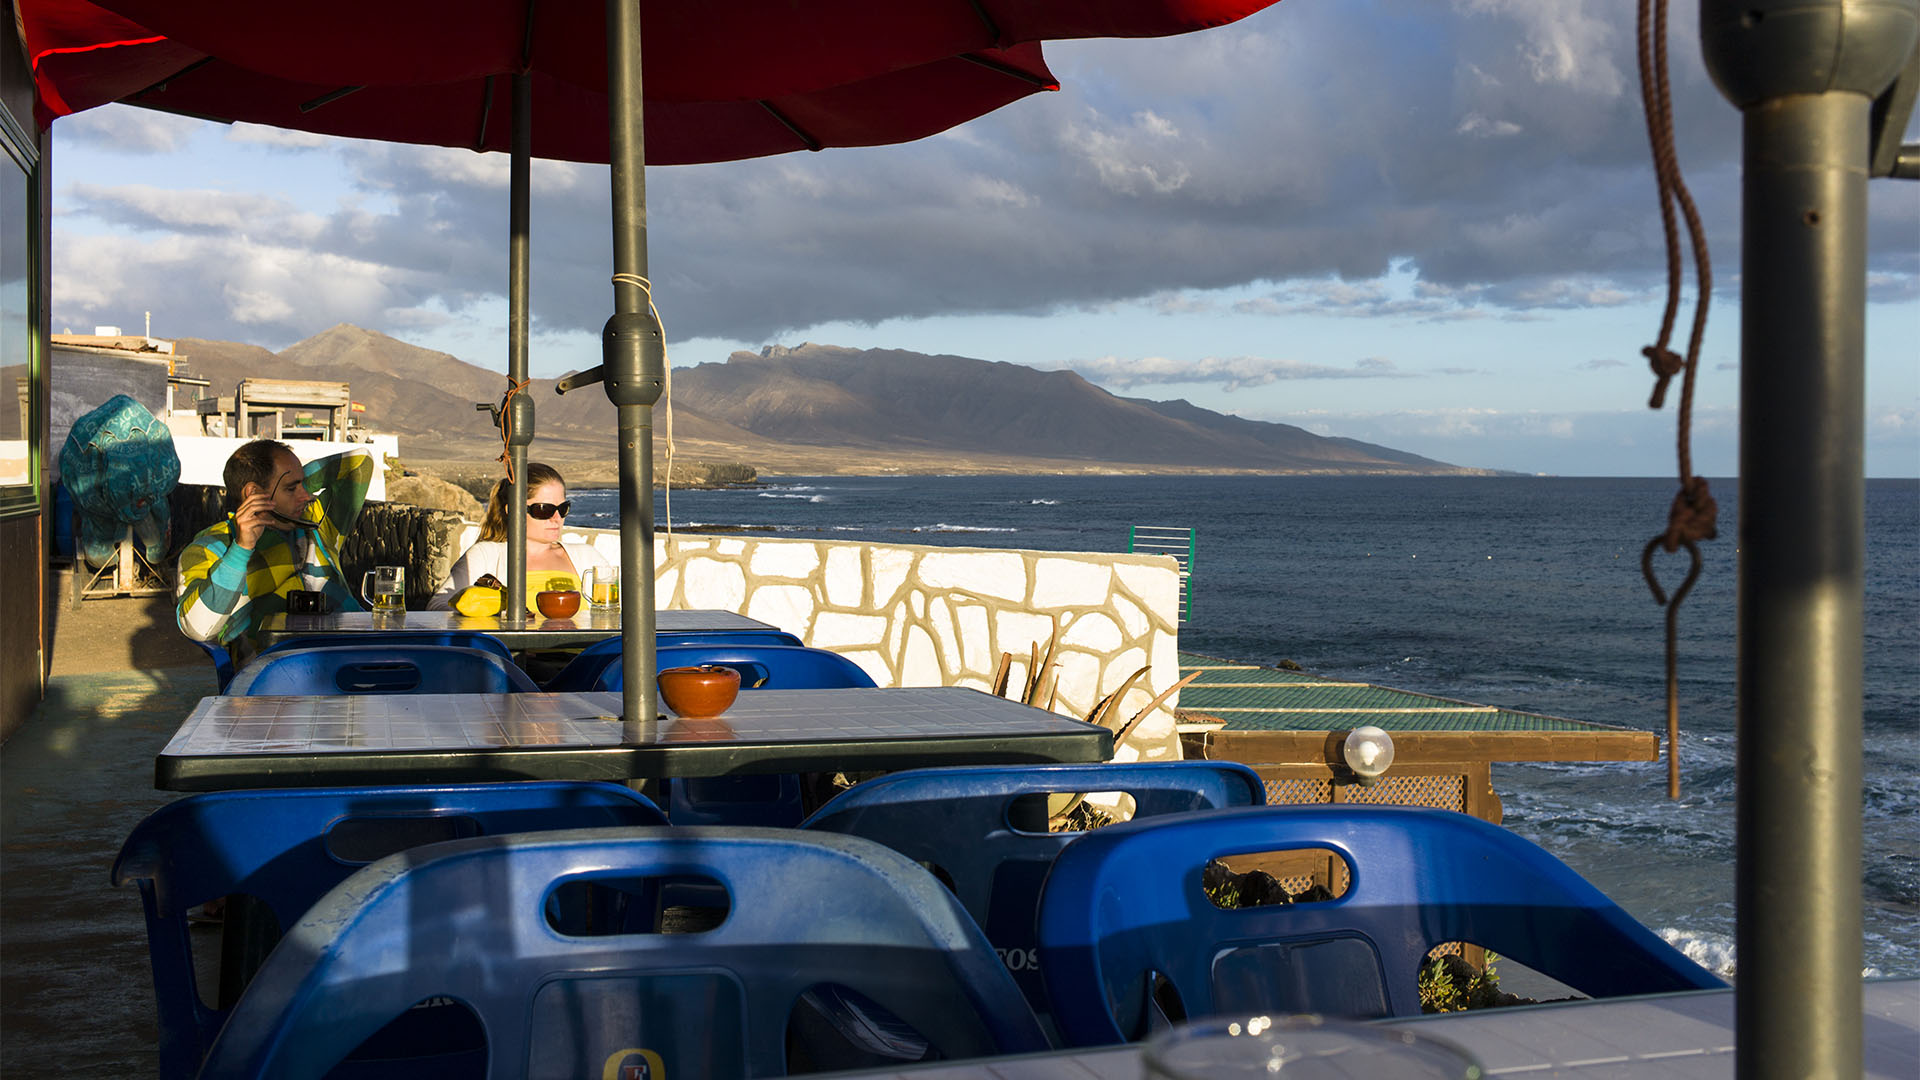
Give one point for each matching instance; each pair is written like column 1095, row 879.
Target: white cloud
column 1231, row 372
column 1566, row 42
column 1570, row 293
column 1183, row 303
column 1887, row 287
column 990, row 190
column 203, row 211
column 281, row 138
column 1479, row 126
column 1129, row 160
column 130, row 131
column 1895, row 421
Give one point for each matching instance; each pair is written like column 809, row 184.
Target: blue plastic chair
column 584, row 670
column 961, row 822
column 761, row 667
column 460, row 639
column 774, row 799
column 380, row 669
column 465, row 920
column 1419, row 878
column 222, row 662
column 287, row 847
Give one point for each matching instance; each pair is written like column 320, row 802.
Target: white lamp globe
column 1369, row 752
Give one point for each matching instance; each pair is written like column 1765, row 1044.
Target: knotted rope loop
column 1665, row 364
column 500, row 418
column 1693, row 517
column 1673, row 646
column 1653, row 582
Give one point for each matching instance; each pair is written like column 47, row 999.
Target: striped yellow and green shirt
column 226, row 590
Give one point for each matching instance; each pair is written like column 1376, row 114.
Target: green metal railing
column 1168, row 540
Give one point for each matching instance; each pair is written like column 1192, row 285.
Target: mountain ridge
column 813, row 408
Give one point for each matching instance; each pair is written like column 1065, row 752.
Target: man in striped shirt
column 281, row 534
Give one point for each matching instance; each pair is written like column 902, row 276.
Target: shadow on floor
column 76, row 992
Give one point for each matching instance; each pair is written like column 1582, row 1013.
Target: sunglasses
column 543, row 511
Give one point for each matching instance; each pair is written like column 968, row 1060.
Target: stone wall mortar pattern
column 930, row 616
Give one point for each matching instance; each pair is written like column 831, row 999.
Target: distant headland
column 806, row 410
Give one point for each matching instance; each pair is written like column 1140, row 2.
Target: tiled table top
column 233, row 742
column 1687, row 1036
column 589, row 624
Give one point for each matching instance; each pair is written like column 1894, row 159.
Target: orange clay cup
column 557, row 603
column 699, row 693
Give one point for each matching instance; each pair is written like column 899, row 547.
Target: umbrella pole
column 633, row 358
column 519, row 406
column 1805, row 82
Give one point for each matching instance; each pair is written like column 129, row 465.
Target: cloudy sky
column 1430, row 225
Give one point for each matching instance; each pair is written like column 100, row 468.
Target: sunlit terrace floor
column 76, row 996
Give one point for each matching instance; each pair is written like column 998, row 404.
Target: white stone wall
column 940, row 616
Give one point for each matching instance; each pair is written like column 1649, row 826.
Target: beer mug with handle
column 601, row 584
column 384, row 588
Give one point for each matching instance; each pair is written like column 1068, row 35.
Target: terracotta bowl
column 699, row 693
column 557, row 603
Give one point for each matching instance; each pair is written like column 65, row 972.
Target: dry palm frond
column 1000, row 676
column 1127, row 729
column 1107, row 704
column 1042, row 684
column 1104, row 714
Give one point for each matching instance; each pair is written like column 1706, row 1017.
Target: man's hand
column 253, row 517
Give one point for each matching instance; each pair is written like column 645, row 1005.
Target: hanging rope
column 500, row 419
column 1692, row 516
column 666, row 385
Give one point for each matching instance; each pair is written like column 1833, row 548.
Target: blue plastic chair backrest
column 762, row 667
column 461, row 639
column 380, row 669
column 583, row 671
column 600, row 663
column 281, row 846
column 464, row 920
column 962, row 820
column 772, row 800
column 1419, row 878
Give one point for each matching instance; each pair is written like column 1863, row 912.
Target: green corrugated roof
column 1253, row 698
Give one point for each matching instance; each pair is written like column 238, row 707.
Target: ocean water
column 1520, row 592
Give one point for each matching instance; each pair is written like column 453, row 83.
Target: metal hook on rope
column 1672, row 604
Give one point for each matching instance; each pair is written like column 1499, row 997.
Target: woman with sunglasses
column 548, row 556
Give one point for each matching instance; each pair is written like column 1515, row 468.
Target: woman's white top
column 490, row 557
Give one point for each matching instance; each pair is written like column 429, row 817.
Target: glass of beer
column 384, row 588
column 602, row 586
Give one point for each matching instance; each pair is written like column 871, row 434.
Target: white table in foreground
column 587, row 626
column 286, row 741
column 1684, row 1036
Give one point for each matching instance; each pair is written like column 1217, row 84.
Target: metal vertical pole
column 633, row 357
column 1804, row 76
column 519, row 414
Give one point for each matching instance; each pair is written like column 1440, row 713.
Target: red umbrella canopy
column 724, row 79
